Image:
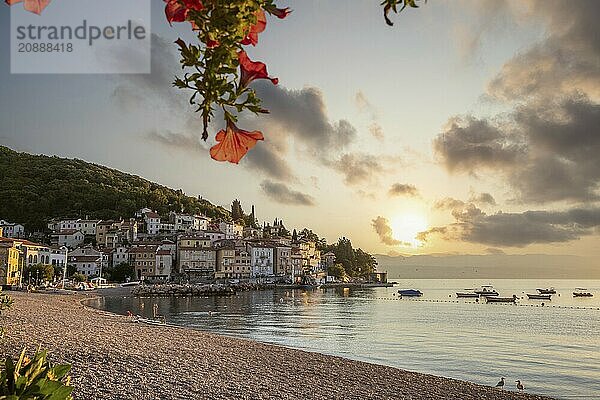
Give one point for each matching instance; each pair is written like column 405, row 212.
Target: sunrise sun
column 406, row 227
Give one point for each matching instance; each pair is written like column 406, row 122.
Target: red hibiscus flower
column 261, row 24
column 34, row 6
column 280, row 13
column 177, row 10
column 252, row 70
column 234, row 143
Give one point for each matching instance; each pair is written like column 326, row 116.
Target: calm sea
column 554, row 349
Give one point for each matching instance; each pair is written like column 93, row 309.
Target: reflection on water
column 554, row 350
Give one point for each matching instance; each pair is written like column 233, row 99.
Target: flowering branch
column 217, row 69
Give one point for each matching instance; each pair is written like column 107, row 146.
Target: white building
column 70, row 238
column 85, row 226
column 196, row 257
column 120, row 255
column 12, row 230
column 58, row 256
column 103, row 257
column 152, row 221
column 187, row 222
column 261, row 259
column 164, row 264
column 86, row 265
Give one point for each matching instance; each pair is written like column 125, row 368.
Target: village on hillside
column 178, row 247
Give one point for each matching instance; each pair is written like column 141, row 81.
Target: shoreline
column 115, row 359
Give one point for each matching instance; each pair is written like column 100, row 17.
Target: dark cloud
column 359, row 168
column 403, row 189
column 517, row 229
column 563, row 162
column 482, row 198
column 549, row 153
column 282, row 194
column 469, row 143
column 302, row 115
column 546, row 147
column 267, row 159
column 382, row 227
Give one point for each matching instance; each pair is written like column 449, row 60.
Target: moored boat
column 535, row 296
column 549, row 290
column 410, row 292
column 512, row 299
column 582, row 292
column 487, row 290
column 467, row 295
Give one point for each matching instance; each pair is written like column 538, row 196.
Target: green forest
column 36, row 188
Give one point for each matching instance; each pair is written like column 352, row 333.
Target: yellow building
column 9, row 263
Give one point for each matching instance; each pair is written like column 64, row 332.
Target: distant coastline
column 489, row 266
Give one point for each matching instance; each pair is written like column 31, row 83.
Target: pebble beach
column 114, row 358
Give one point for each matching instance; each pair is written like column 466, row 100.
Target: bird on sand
column 500, row 384
column 520, row 386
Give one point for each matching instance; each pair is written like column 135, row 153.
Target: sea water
column 553, row 349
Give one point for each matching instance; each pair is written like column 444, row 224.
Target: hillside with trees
column 36, row 188
column 354, row 262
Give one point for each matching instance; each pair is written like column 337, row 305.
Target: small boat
column 582, row 292
column 540, row 296
column 512, row 299
column 410, row 292
column 132, row 283
column 487, row 290
column 467, row 294
column 549, row 290
column 148, row 321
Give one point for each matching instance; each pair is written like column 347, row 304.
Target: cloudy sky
column 469, row 126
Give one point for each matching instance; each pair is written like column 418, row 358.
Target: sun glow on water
column 406, row 227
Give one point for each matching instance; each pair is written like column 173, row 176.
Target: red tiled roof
column 22, row 241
